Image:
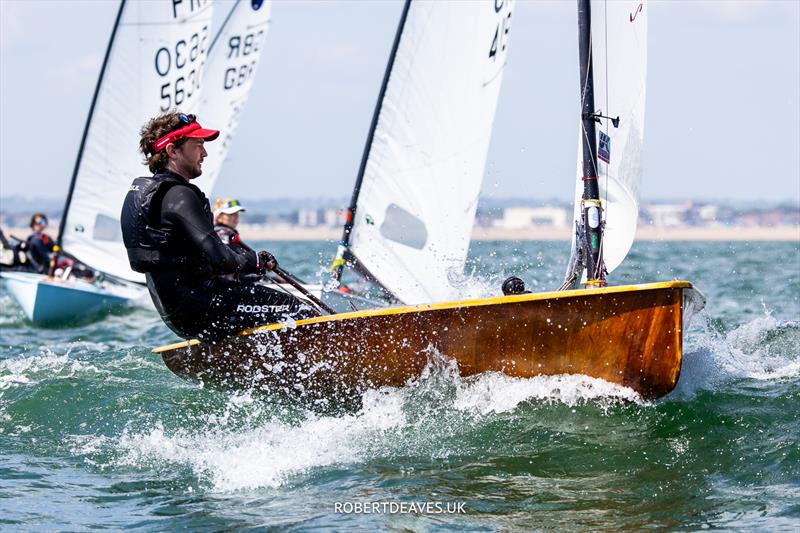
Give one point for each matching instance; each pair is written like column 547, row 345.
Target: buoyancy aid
column 151, row 246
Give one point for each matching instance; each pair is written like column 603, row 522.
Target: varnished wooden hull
column 629, row 335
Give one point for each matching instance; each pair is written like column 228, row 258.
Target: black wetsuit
column 40, row 246
column 168, row 231
column 229, row 235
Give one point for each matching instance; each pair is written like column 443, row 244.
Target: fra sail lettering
column 184, row 8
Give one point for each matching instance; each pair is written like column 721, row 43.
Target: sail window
column 404, row 228
column 106, row 228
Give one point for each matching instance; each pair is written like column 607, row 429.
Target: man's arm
column 181, row 208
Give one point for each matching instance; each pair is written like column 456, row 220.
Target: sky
column 722, row 119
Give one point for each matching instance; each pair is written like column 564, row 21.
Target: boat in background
column 228, row 79
column 56, row 301
column 152, row 63
column 408, row 226
column 628, row 335
column 158, row 55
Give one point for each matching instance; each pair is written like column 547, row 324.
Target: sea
column 97, row 434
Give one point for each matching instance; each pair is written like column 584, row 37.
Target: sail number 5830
column 186, row 54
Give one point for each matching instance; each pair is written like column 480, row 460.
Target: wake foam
column 49, row 365
column 268, row 455
column 764, row 349
column 251, row 444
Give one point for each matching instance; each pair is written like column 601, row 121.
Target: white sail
column 154, row 64
column 619, row 50
column 228, row 78
column 417, row 201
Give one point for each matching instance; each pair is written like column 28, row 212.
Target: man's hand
column 266, row 261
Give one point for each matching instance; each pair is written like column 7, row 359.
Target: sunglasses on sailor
column 186, row 119
column 40, row 222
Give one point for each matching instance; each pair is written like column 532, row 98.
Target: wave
column 250, row 444
column 763, row 349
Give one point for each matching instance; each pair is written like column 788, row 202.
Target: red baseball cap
column 193, row 130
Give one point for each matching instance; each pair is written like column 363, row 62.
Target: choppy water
column 95, row 433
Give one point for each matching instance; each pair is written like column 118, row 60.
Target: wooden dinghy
column 628, row 335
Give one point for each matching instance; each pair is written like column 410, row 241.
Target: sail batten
column 424, row 166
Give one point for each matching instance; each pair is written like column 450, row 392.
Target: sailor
column 169, row 235
column 226, row 219
column 40, row 245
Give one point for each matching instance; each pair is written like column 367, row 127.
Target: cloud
column 341, row 53
column 77, row 72
column 744, row 10
column 10, row 23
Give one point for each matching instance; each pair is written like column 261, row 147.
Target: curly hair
column 152, row 131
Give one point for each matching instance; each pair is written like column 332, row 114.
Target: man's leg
column 239, row 306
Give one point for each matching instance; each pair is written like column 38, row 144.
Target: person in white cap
column 226, row 219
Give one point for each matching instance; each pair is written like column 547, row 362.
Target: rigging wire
column 601, row 264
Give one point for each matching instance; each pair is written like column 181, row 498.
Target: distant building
column 327, row 217
column 333, row 218
column 308, row 217
column 668, row 215
column 528, row 217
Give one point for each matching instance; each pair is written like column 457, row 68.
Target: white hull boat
column 51, row 301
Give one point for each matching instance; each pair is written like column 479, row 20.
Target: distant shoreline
column 296, row 233
column 782, row 233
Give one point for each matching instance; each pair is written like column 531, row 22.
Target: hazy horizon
column 723, row 103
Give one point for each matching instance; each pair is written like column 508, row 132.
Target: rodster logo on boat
column 241, row 308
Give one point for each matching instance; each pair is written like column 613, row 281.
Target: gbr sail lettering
column 243, row 53
column 499, row 40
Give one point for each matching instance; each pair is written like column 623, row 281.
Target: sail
column 417, row 201
column 154, row 64
column 619, row 51
column 228, row 78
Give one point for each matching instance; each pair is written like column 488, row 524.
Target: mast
column 591, row 230
column 343, row 250
column 62, row 225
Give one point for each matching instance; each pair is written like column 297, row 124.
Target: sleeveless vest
column 151, row 246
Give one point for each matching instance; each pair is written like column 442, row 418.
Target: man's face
column 39, row 224
column 189, row 158
column 229, row 220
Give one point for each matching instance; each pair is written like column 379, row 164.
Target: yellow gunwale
column 452, row 305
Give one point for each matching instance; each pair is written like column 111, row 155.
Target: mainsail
column 154, row 63
column 619, row 51
column 422, row 170
column 228, row 78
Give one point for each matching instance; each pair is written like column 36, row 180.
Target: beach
column 647, row 233
column 780, row 233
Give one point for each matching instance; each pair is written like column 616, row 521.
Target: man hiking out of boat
column 169, row 234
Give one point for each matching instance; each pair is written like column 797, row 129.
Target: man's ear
column 170, row 149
